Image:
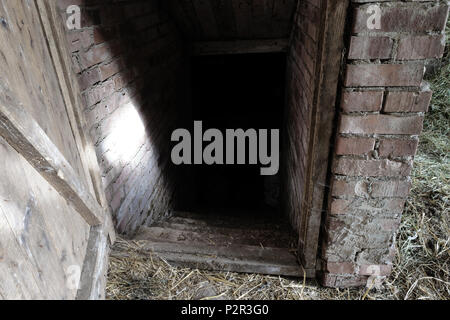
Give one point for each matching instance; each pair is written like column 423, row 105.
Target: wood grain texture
column 25, row 135
column 27, row 69
column 54, row 29
column 215, row 20
column 239, row 47
column 327, row 77
column 41, row 236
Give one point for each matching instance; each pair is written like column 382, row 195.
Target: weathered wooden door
column 52, row 208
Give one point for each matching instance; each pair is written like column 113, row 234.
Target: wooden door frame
column 324, row 110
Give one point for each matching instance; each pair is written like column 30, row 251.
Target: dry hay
column 421, row 269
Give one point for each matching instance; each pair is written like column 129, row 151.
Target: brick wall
column 300, row 85
column 129, row 60
column 382, row 106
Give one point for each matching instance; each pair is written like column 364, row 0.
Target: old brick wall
column 383, row 103
column 130, row 63
column 301, row 66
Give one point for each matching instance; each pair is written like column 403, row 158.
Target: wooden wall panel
column 44, row 230
column 26, row 68
column 41, row 236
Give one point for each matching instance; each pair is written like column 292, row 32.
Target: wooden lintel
column 239, row 47
column 25, row 135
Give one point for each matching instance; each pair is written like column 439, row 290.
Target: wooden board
column 239, row 47
column 332, row 27
column 273, row 261
column 224, row 243
column 27, row 137
column 50, row 188
column 41, row 236
column 26, row 68
column 216, row 20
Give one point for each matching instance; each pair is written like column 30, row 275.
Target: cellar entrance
column 237, row 92
column 231, row 218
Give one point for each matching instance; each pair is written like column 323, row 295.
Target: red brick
column 397, row 148
column 421, row 47
column 79, row 40
column 381, row 124
column 378, row 189
column 336, row 281
column 354, row 146
column 370, row 48
column 122, row 79
column 371, row 168
column 383, row 189
column 89, row 78
column 342, row 188
column 340, row 267
column 384, row 75
column 375, row 270
column 390, row 225
column 352, row 206
column 109, row 69
column 408, row 101
column 404, row 17
column 98, row 93
column 357, row 101
column 95, row 55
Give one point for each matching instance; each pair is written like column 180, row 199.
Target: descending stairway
column 224, row 242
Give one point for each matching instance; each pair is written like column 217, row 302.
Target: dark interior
column 231, row 92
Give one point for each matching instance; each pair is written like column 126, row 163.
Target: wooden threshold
column 219, row 243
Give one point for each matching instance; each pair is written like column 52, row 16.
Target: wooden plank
column 328, row 59
column 170, row 232
column 205, row 16
column 185, row 25
column 23, row 133
column 243, row 16
column 13, row 261
column 245, row 259
column 261, row 18
column 224, row 16
column 43, row 234
column 27, row 68
column 239, row 47
column 95, row 266
column 282, row 17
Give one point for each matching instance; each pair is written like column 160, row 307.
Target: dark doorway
column 233, row 221
column 237, row 92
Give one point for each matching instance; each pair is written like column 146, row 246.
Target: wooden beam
column 239, row 47
column 331, row 45
column 25, row 135
column 95, row 266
